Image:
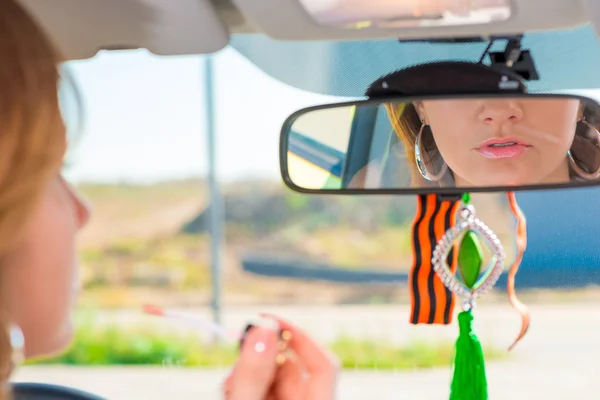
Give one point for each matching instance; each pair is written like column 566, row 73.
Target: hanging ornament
column 470, row 281
column 521, row 237
column 431, row 302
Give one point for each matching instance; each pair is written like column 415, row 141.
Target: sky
column 145, row 118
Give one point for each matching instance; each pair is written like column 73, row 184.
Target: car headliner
column 282, row 40
column 81, row 28
column 565, row 59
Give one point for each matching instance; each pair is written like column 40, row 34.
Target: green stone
column 466, row 198
column 470, row 258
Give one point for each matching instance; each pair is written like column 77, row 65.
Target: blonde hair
column 32, row 132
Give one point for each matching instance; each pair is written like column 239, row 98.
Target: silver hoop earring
column 421, row 164
column 15, row 342
column 578, row 170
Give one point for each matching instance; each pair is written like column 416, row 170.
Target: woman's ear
column 581, row 111
column 420, row 110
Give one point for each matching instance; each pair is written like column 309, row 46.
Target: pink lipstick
column 498, row 148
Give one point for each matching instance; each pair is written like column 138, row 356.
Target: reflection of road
column 557, row 360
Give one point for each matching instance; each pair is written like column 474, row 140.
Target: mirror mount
column 447, row 78
column 513, row 58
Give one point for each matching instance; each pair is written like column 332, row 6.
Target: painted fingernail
column 259, row 339
column 243, row 336
column 285, row 335
column 280, row 359
column 260, row 322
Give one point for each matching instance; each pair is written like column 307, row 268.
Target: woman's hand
column 310, row 375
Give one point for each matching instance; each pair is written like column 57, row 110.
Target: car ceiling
column 83, row 27
column 281, row 39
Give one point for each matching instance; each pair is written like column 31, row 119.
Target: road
column 509, row 381
column 559, row 358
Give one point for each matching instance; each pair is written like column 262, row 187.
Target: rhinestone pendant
column 466, row 231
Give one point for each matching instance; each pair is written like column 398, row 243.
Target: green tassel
column 469, row 381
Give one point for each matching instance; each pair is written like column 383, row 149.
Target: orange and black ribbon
column 521, row 236
column 431, row 301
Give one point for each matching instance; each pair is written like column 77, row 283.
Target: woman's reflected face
column 507, row 141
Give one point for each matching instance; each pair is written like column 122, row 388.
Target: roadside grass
column 108, row 343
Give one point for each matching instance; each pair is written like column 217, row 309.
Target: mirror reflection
column 462, row 142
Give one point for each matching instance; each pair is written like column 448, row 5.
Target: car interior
column 297, row 43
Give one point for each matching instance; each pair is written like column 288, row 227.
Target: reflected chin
column 507, row 182
column 496, row 180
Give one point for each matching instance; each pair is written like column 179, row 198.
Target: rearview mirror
column 436, row 144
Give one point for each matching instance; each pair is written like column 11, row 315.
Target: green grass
column 177, row 262
column 108, row 344
column 380, row 355
column 161, row 192
column 347, row 248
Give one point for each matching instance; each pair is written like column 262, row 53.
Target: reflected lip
column 496, row 148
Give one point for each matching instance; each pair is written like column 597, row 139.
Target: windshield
column 566, row 59
column 335, row 266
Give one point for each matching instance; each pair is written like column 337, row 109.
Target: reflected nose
column 498, row 112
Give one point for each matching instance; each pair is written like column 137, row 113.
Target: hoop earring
column 578, row 170
column 17, row 343
column 421, row 164
column 13, row 342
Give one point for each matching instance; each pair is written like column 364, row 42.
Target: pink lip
column 494, row 149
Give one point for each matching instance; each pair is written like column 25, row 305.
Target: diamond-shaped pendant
column 470, row 257
column 466, row 232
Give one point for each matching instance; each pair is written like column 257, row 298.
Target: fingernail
column 280, row 359
column 259, row 340
column 285, row 335
column 261, row 323
column 243, row 336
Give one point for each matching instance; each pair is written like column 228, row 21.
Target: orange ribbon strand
column 521, row 236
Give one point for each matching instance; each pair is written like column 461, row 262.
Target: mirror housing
column 407, row 144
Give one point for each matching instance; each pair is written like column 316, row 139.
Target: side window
column 317, row 147
column 389, row 152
